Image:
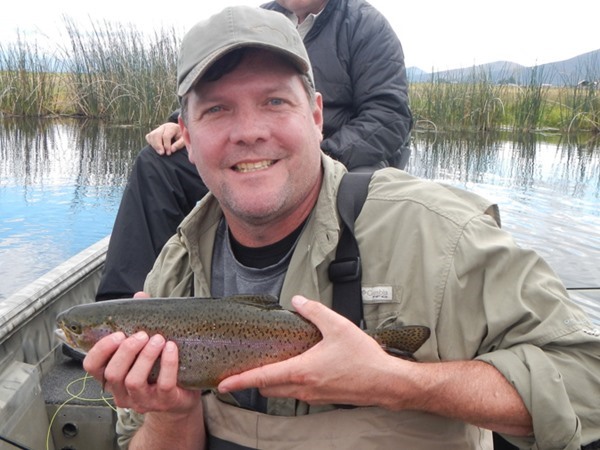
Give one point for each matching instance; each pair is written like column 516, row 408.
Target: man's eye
column 276, row 101
column 214, row 109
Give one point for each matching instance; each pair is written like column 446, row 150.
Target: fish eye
column 75, row 328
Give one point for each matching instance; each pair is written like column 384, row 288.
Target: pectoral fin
column 401, row 341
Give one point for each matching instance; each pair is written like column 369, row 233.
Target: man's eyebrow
column 279, row 88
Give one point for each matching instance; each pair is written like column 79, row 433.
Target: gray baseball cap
column 237, row 27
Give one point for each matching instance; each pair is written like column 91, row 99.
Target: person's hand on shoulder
column 166, row 139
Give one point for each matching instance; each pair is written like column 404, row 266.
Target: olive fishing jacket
column 429, row 257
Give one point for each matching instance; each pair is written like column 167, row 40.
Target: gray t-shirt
column 230, row 277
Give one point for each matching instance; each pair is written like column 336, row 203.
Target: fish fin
column 401, row 340
column 398, row 353
column 264, row 301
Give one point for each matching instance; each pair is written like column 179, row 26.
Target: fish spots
column 216, row 337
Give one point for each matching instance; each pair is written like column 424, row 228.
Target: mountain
column 584, row 68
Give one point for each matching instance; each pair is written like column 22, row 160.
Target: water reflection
column 548, row 190
column 61, row 183
column 87, row 152
column 514, row 160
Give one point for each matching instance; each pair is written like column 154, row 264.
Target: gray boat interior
column 39, row 385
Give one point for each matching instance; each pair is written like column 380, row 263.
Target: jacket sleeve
column 174, row 116
column 382, row 120
column 530, row 330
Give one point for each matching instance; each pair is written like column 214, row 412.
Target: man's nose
column 249, row 127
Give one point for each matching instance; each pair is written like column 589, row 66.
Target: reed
column 116, row 73
column 530, row 104
column 28, row 86
column 121, row 74
column 579, row 108
column 478, row 104
column 475, row 105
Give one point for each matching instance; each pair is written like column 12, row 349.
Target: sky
column 436, row 35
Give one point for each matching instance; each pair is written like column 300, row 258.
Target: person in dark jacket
column 359, row 69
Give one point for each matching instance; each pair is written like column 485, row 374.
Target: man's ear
column 185, row 134
column 318, row 113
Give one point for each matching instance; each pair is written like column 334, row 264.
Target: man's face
column 255, row 140
column 303, row 7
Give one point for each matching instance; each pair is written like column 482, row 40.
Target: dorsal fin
column 264, row 301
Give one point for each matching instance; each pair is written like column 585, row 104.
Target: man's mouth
column 253, row 166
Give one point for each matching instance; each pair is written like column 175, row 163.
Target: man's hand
column 123, row 364
column 349, row 367
column 166, row 139
column 341, row 369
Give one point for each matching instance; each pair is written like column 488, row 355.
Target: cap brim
column 200, row 69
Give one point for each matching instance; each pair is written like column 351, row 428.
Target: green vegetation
column 28, row 86
column 123, row 76
column 480, row 105
column 112, row 72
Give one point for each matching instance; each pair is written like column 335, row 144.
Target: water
column 60, row 188
column 548, row 190
column 61, row 183
column 548, row 193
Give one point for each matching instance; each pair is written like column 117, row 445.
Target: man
column 359, row 69
column 508, row 351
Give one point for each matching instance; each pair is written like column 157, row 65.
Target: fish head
column 79, row 332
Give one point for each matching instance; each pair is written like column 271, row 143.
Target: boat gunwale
column 21, row 307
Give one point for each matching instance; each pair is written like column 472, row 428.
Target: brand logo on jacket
column 377, row 294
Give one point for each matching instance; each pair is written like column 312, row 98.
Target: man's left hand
column 343, row 368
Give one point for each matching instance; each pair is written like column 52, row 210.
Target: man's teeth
column 251, row 167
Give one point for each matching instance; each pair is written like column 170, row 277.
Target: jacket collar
column 316, row 245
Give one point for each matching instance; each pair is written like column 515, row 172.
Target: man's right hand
column 166, row 139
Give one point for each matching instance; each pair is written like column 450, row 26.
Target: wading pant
column 233, row 428
column 160, row 192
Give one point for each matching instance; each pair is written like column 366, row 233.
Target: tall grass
column 110, row 72
column 581, row 108
column 27, row 84
column 481, row 105
column 530, row 104
column 120, row 74
column 473, row 106
column 123, row 76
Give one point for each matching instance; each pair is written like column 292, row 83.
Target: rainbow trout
column 216, row 337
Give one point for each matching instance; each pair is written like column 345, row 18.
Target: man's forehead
column 271, row 66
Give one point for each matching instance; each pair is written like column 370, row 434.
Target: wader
column 233, row 428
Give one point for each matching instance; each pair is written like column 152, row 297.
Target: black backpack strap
column 345, row 272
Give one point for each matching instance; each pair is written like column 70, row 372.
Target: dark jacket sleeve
column 174, row 116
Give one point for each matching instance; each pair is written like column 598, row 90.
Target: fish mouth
column 73, row 348
column 65, row 337
column 61, row 335
column 247, row 167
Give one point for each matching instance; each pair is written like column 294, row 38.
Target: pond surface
column 61, row 183
column 60, row 188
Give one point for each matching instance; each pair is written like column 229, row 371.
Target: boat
column 47, row 402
